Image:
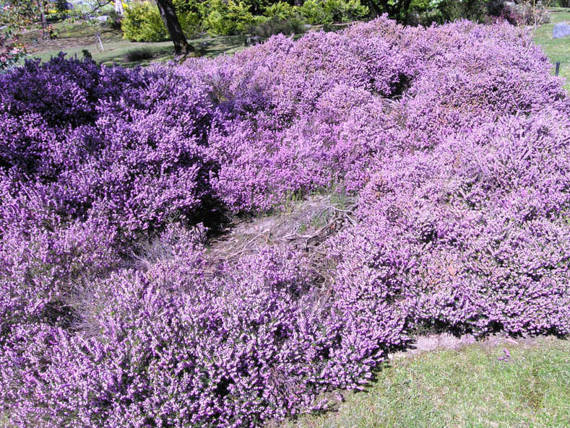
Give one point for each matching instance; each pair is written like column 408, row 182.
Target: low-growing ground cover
column 453, row 141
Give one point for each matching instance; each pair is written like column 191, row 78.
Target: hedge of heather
column 455, row 140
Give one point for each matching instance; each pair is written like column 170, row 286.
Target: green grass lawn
column 74, row 38
column 117, row 51
column 470, row 387
column 557, row 50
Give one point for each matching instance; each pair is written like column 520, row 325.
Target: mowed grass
column 74, row 38
column 476, row 386
column 558, row 50
column 118, row 52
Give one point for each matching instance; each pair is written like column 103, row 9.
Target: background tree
column 168, row 14
column 14, row 15
column 21, row 13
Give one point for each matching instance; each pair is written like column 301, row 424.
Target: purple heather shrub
column 106, row 143
column 113, row 312
column 474, row 234
column 176, row 344
column 64, row 92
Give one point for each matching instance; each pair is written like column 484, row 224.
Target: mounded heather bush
column 251, row 341
column 108, row 143
column 113, row 311
column 472, row 235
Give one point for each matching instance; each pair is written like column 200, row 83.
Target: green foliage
column 142, row 23
column 189, row 14
column 281, row 11
column 332, row 11
column 281, row 18
column 314, row 12
column 61, row 5
column 19, row 13
column 22, row 13
column 114, row 21
column 223, row 18
column 426, row 12
column 475, row 10
column 139, row 55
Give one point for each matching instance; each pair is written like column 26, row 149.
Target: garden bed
column 433, row 163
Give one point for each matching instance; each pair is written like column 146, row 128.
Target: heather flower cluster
column 455, row 141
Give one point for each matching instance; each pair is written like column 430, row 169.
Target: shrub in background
column 189, row 14
column 219, row 17
column 280, row 10
column 525, row 13
column 314, row 12
column 425, row 12
column 332, row 11
column 114, row 21
column 346, row 11
column 138, row 55
column 293, row 25
column 142, row 23
column 282, row 18
column 227, row 18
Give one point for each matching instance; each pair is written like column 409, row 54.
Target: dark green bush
column 189, row 14
column 114, row 20
column 275, row 25
column 137, row 55
column 142, row 21
column 426, row 12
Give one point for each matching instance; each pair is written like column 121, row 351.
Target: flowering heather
column 455, row 141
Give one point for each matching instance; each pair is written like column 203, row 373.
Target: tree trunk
column 43, row 18
column 119, row 7
column 168, row 14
